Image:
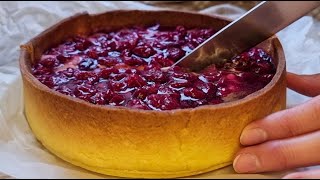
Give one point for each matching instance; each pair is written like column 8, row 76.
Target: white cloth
column 21, row 156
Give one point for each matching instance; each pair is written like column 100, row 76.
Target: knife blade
column 258, row 24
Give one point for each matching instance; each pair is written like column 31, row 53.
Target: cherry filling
column 123, row 68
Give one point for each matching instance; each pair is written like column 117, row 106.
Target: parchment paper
column 21, row 156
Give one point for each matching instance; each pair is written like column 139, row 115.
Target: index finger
column 287, row 123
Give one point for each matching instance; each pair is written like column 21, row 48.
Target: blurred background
column 199, row 5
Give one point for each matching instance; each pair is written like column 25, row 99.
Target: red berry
column 144, row 51
column 194, row 93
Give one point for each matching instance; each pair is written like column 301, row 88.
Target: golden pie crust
column 125, row 142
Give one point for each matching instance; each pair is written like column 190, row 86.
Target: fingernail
column 253, row 136
column 246, row 163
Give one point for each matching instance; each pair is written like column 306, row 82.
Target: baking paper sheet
column 21, row 156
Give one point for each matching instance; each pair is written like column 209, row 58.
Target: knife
column 258, row 24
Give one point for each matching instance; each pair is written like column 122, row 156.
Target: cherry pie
column 95, row 95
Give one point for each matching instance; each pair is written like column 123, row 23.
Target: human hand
column 286, row 139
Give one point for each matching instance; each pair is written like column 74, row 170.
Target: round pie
column 96, row 94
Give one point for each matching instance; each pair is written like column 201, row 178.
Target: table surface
column 196, row 6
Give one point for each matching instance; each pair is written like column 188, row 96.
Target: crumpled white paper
column 21, row 156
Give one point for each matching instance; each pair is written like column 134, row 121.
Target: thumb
column 308, row 85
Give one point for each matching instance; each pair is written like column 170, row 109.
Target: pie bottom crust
column 126, row 142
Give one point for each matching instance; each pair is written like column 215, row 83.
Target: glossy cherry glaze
column 123, row 68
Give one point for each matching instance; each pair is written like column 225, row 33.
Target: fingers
column 312, row 174
column 279, row 155
column 286, row 153
column 308, row 85
column 287, row 123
